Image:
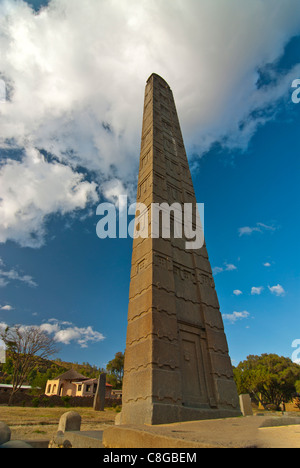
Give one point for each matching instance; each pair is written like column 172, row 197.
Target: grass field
column 42, row 423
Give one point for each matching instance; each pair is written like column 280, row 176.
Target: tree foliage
column 25, row 346
column 115, row 369
column 270, row 379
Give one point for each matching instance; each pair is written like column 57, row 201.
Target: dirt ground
column 42, row 423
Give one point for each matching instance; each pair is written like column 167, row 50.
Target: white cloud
column 237, row 292
column 49, row 328
column 9, row 275
column 230, row 267
column 33, row 188
column 227, row 267
column 256, row 290
column 2, row 91
column 217, row 270
column 247, row 230
column 260, row 227
column 75, row 76
column 277, row 290
column 66, row 332
column 236, row 316
column 113, row 189
column 6, row 307
column 3, row 326
column 267, row 264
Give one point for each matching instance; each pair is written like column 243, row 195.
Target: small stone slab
column 70, row 421
column 5, row 433
column 245, row 405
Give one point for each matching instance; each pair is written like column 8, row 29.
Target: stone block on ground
column 70, row 421
column 5, row 433
column 99, row 399
column 245, row 405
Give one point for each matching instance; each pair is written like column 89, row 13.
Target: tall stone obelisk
column 177, row 365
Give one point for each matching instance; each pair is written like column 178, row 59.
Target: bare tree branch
column 26, row 345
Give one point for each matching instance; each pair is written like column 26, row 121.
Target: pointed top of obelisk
column 159, row 78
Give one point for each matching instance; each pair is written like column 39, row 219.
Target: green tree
column 115, row 369
column 270, row 379
column 26, row 346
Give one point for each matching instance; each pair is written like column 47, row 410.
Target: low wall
column 24, row 399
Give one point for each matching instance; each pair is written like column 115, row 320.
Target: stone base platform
column 85, row 439
column 264, row 431
column 157, row 414
column 244, row 432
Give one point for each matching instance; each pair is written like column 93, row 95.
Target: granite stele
column 177, row 366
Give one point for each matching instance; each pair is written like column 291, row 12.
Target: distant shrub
column 45, row 401
column 66, row 399
column 35, row 402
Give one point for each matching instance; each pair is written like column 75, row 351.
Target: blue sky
column 70, row 135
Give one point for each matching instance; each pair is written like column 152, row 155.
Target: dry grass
column 42, row 423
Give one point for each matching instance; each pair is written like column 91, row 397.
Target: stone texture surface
column 70, row 421
column 245, row 405
column 248, row 432
column 12, row 444
column 59, row 441
column 177, row 365
column 5, row 433
column 99, row 398
column 85, row 439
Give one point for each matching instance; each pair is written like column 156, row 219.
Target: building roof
column 71, row 375
column 90, row 381
column 86, row 381
column 24, row 387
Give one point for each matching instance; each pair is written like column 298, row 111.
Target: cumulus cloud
column 33, row 188
column 6, row 307
column 236, row 316
column 3, row 326
column 256, row 291
column 237, row 292
column 74, row 77
column 115, row 191
column 230, row 267
column 278, row 290
column 66, row 332
column 2, row 91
